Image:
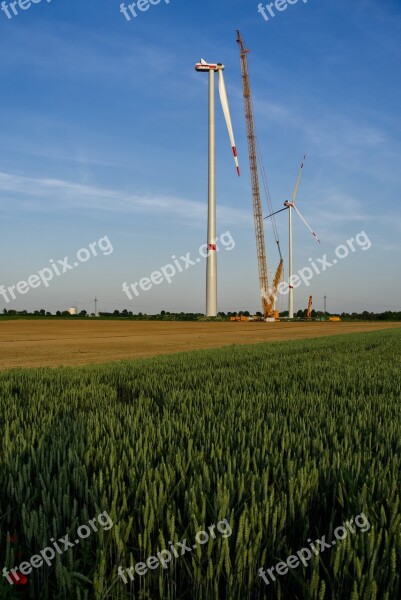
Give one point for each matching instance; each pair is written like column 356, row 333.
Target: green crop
column 285, row 440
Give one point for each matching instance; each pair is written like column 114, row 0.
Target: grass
column 286, row 441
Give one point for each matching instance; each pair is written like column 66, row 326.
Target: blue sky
column 104, row 133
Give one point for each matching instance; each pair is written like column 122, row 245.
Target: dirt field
column 53, row 343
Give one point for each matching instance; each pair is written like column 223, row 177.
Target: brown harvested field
column 67, row 342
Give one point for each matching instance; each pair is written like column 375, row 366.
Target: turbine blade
column 304, row 220
column 226, row 111
column 294, row 196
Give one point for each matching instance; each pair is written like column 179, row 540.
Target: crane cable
column 267, row 194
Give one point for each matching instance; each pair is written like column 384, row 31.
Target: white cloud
column 50, row 195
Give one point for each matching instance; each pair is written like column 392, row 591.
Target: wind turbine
column 290, row 206
column 211, row 267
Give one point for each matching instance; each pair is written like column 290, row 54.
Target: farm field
column 28, row 343
column 285, row 442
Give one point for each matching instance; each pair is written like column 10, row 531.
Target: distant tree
column 116, row 313
column 48, row 314
column 42, row 312
column 83, row 313
column 58, row 313
column 5, row 312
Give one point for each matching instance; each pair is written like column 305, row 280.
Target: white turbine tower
column 211, row 268
column 291, row 206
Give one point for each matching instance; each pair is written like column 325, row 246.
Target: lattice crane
column 309, row 313
column 268, row 295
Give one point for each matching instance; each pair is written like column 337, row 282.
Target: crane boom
column 267, row 296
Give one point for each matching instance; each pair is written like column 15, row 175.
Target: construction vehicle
column 334, row 319
column 241, row 318
column 255, row 318
column 268, row 296
column 309, row 313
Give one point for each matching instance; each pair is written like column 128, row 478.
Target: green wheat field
column 285, row 440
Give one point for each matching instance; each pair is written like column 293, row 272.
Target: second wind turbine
column 211, row 268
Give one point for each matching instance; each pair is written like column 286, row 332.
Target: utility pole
column 95, row 307
column 325, row 299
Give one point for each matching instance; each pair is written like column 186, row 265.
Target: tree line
column 190, row 316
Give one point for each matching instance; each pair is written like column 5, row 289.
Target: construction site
column 269, row 288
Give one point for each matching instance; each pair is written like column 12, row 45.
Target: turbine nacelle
column 205, row 66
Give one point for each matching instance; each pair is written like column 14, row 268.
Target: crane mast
column 309, row 314
column 268, row 297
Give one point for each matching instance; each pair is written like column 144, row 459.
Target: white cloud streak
column 51, row 195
